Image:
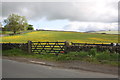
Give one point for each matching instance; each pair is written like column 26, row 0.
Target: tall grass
column 91, row 56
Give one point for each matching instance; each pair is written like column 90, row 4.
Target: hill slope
column 107, row 32
column 61, row 36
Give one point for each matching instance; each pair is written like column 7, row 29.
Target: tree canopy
column 16, row 23
column 30, row 27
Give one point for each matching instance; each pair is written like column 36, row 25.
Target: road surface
column 14, row 69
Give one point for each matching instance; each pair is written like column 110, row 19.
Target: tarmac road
column 14, row 69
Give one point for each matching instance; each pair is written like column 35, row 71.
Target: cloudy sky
column 78, row 15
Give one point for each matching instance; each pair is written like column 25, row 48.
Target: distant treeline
column 53, row 30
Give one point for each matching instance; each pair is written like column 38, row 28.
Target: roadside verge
column 77, row 65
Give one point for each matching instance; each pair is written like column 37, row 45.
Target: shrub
column 106, row 52
column 30, row 27
column 92, row 52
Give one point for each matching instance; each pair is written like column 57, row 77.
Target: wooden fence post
column 66, row 46
column 29, row 47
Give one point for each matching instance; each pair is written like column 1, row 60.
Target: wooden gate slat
column 48, row 47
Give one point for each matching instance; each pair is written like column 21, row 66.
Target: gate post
column 29, row 46
column 66, row 46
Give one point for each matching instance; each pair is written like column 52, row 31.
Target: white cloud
column 57, row 0
column 83, row 16
column 90, row 26
column 95, row 11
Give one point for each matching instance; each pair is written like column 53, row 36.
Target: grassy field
column 108, row 32
column 61, row 36
column 6, row 32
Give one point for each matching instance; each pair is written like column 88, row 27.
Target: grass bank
column 92, row 56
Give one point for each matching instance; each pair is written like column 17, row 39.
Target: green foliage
column 103, row 56
column 92, row 52
column 81, row 54
column 106, row 52
column 114, row 57
column 15, row 23
column 100, row 57
column 13, row 52
column 73, row 56
column 20, row 53
column 106, row 55
column 3, row 32
column 30, row 27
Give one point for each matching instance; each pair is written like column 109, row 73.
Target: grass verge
column 92, row 56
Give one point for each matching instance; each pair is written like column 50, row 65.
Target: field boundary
column 60, row 47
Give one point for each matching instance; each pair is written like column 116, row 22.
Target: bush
column 30, row 27
column 92, row 52
column 106, row 52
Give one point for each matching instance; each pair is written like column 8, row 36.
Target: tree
column 15, row 23
column 30, row 27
